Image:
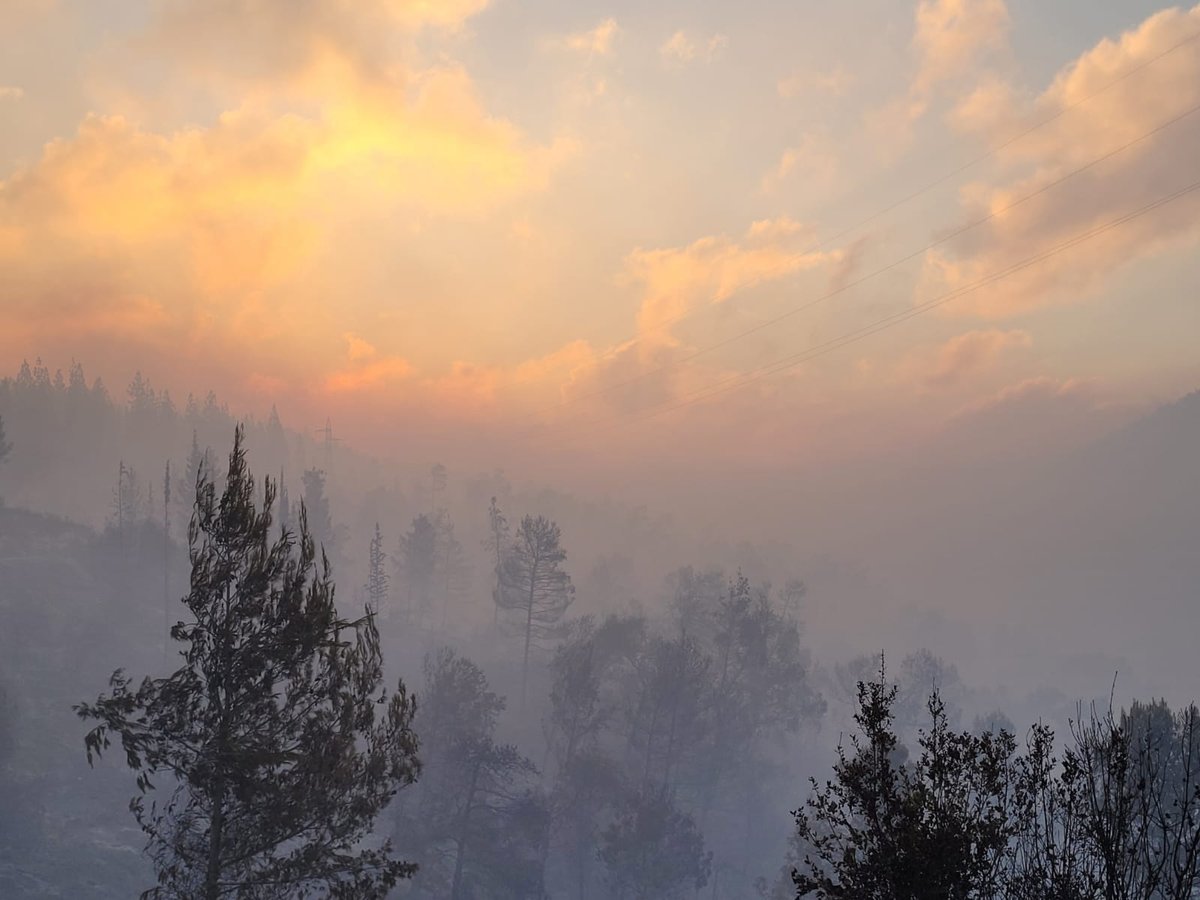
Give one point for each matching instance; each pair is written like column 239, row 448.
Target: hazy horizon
column 892, row 308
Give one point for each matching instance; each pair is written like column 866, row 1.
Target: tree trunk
column 456, row 885
column 533, row 572
column 212, row 874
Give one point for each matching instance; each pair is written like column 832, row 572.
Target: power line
column 890, row 208
column 796, row 310
column 740, row 380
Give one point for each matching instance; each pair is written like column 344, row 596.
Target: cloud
column 957, row 44
column 8, row 92
column 244, row 243
column 814, row 160
column 596, row 42
column 953, row 35
column 366, row 369
column 1147, row 170
column 678, row 280
column 965, row 355
column 680, row 48
column 990, row 108
column 261, row 38
column 1035, row 418
column 833, row 83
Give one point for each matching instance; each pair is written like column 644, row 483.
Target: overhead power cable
column 1015, row 138
column 739, row 380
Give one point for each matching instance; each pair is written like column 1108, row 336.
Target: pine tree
column 416, row 566
column 126, row 500
column 497, row 543
column 377, row 578
column 320, row 519
column 274, row 741
column 476, row 818
column 5, row 446
column 652, row 851
column 450, row 564
column 533, row 586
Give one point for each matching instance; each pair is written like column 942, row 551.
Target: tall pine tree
column 274, row 743
column 534, row 588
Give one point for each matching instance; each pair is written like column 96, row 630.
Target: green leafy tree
column 274, row 743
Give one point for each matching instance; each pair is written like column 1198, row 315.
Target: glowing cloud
column 966, row 355
column 710, row 270
column 1157, row 161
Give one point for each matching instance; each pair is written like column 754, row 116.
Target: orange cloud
column 952, row 35
column 965, row 355
column 956, row 43
column 596, row 42
column 681, row 48
column 1145, row 170
column 710, row 270
column 227, row 240
column 813, row 160
column 369, row 375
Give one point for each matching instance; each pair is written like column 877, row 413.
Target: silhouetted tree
column 5, row 445
column 497, row 544
column 320, row 520
column 938, row 827
column 377, row 577
column 449, row 564
column 652, row 851
column 534, row 588
column 278, row 742
column 474, row 821
column 416, row 567
column 126, row 499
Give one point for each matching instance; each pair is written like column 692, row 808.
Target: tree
column 320, row 520
column 416, row 566
column 474, row 821
column 653, row 851
column 449, row 563
column 5, row 446
column 883, row 828
column 497, row 545
column 377, row 578
column 279, row 743
column 126, row 499
column 533, row 585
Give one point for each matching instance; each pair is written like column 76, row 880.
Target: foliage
column 416, row 568
column 475, row 821
column 885, row 829
column 533, row 587
column 1115, row 816
column 377, row 577
column 278, row 743
column 652, row 851
column 316, row 505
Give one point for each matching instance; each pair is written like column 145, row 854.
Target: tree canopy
column 274, row 743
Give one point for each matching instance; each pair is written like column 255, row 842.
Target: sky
column 674, row 235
